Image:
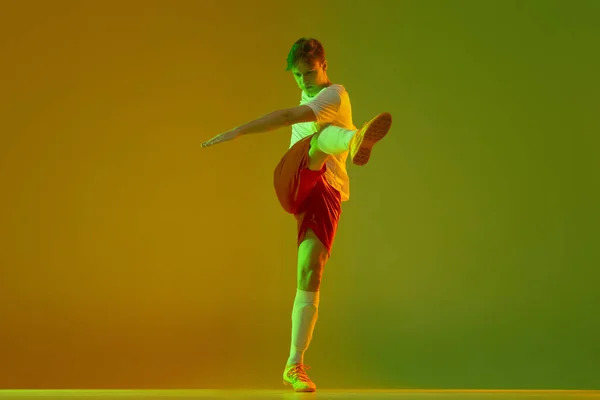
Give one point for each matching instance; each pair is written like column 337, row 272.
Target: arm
column 323, row 108
column 278, row 119
column 274, row 120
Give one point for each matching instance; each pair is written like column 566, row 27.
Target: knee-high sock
column 304, row 317
column 335, row 140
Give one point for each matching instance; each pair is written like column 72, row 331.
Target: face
column 311, row 77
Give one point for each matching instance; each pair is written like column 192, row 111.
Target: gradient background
column 467, row 256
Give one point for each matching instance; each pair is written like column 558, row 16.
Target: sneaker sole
column 375, row 131
column 286, row 383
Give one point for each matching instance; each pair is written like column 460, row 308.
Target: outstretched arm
column 274, row 120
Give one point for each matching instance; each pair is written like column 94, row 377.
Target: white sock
column 304, row 318
column 335, row 140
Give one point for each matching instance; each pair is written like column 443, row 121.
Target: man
column 311, row 180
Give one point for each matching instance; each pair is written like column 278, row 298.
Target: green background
column 467, row 256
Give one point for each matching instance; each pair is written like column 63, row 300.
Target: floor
column 284, row 394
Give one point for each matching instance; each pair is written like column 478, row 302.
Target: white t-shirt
column 331, row 106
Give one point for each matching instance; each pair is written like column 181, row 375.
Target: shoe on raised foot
column 364, row 140
column 295, row 375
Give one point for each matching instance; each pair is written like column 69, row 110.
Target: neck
column 321, row 87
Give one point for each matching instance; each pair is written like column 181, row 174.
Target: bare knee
column 309, row 277
column 312, row 257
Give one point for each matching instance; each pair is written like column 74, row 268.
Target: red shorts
column 307, row 195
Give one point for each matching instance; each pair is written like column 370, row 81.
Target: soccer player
column 311, row 180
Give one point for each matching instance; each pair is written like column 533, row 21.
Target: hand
column 222, row 137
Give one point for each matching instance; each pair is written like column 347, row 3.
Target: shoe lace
column 298, row 371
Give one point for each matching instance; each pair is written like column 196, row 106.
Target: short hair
column 307, row 49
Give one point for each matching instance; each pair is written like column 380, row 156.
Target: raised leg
column 316, row 157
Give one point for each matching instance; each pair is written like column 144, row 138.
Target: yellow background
column 467, row 256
